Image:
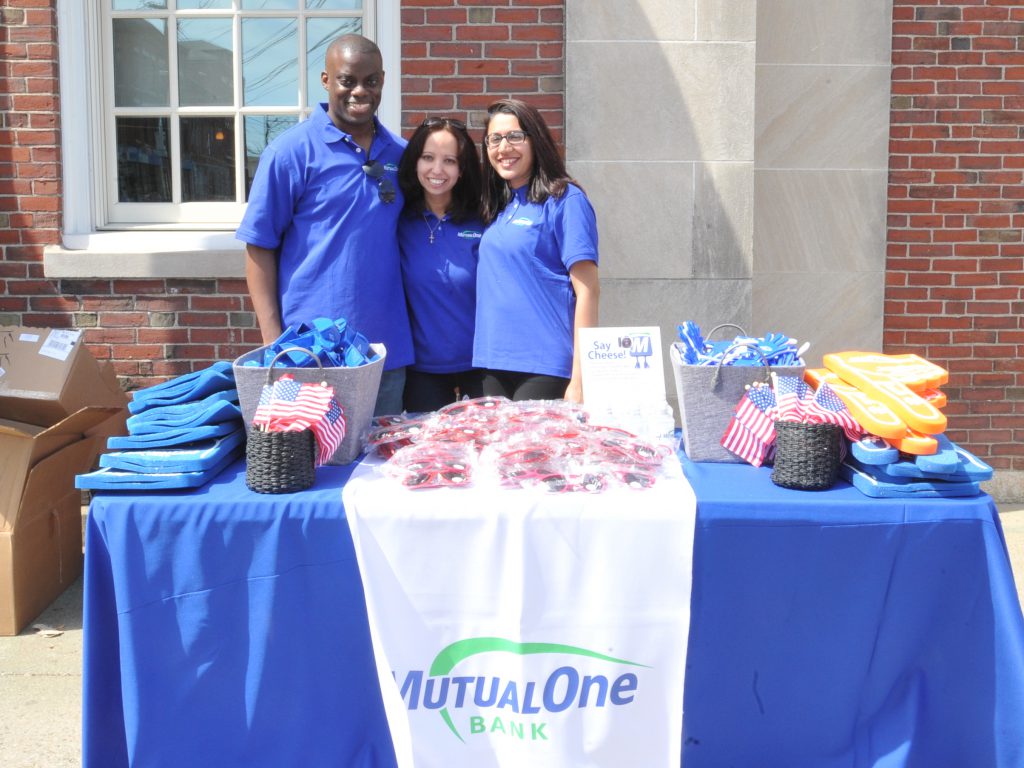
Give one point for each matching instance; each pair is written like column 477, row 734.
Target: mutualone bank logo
column 477, row 704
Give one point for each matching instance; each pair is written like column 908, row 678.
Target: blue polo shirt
column 526, row 306
column 440, row 287
column 336, row 241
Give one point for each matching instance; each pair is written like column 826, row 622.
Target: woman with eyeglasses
column 439, row 235
column 537, row 280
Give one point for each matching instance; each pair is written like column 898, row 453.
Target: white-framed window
column 166, row 106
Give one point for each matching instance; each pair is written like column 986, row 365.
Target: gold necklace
column 433, row 229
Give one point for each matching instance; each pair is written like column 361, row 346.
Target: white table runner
column 515, row 628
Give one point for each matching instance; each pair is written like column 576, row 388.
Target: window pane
column 270, row 71
column 334, row 5
column 204, row 63
column 260, row 130
column 207, row 159
column 141, row 73
column 270, row 5
column 319, row 34
column 143, row 160
column 217, row 5
column 138, row 5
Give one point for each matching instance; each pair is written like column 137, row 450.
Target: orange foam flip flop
column 915, row 443
column 875, row 417
column 913, row 370
column 871, row 373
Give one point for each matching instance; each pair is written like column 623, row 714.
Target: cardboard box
column 53, row 396
column 46, row 375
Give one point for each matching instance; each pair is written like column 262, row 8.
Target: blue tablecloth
column 227, row 628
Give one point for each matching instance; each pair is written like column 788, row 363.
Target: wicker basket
column 280, row 462
column 806, row 455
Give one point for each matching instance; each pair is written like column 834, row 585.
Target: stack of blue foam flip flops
column 181, row 434
column 877, row 469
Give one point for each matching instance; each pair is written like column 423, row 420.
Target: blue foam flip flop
column 944, row 460
column 969, row 467
column 873, row 450
column 107, row 479
column 182, row 416
column 883, row 488
column 173, row 436
column 186, row 388
column 193, row 457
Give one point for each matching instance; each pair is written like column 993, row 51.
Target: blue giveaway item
column 183, row 389
column 172, row 436
column 220, row 406
column 873, row 450
column 944, row 460
column 121, row 480
column 870, row 485
column 969, row 467
column 191, row 457
column 334, row 343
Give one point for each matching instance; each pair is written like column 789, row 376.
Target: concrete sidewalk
column 41, row 674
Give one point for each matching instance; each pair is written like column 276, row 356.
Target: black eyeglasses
column 433, row 122
column 492, row 140
column 385, row 188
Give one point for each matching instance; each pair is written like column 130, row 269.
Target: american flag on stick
column 751, row 430
column 826, row 408
column 792, row 394
column 288, row 406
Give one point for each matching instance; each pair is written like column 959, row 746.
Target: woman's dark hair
column 548, row 177
column 466, row 192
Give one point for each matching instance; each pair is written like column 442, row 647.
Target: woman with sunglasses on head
column 439, row 234
column 537, row 282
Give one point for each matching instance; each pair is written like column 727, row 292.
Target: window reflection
column 143, row 161
column 260, row 130
column 138, row 5
column 204, row 62
column 141, row 74
column 270, row 71
column 334, row 5
column 270, row 5
column 207, row 159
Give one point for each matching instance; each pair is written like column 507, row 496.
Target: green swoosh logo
column 459, row 651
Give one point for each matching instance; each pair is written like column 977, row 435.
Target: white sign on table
column 621, row 366
column 518, row 628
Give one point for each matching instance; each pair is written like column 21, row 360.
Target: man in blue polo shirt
column 320, row 227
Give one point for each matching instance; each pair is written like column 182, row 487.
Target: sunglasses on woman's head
column 385, row 188
column 433, row 122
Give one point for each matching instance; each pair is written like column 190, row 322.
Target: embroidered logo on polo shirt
column 522, row 221
column 469, row 234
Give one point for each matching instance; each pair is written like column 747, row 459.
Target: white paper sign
column 59, row 344
column 621, row 366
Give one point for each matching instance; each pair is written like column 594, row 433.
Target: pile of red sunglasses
column 550, row 445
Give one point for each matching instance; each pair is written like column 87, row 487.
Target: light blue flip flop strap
column 208, row 381
column 212, row 413
column 192, row 457
column 122, row 480
column 867, row 482
column 178, row 409
column 173, row 436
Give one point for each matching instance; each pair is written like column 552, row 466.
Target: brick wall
column 460, row 55
column 955, row 269
column 956, row 256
